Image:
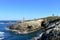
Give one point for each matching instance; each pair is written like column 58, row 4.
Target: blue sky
column 28, row 9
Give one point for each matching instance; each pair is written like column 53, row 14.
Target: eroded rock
column 30, row 26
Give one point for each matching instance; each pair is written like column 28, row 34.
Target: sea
column 7, row 35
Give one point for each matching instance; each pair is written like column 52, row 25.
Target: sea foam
column 2, row 35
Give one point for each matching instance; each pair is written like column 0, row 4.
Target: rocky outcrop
column 51, row 32
column 24, row 27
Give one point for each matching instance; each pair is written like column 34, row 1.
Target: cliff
column 51, row 32
column 29, row 26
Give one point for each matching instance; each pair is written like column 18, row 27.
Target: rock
column 52, row 31
column 26, row 26
column 51, row 34
column 29, row 26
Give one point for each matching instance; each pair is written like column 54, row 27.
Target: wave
column 2, row 35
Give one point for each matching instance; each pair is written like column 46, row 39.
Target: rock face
column 30, row 26
column 25, row 27
column 51, row 32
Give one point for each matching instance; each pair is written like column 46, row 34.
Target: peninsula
column 29, row 26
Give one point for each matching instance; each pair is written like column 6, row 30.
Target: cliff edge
column 29, row 26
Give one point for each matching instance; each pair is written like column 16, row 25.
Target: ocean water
column 7, row 35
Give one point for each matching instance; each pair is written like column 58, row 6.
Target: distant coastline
column 8, row 22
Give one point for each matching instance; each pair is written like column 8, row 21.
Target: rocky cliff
column 51, row 32
column 29, row 26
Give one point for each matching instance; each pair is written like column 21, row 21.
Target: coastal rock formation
column 29, row 26
column 54, row 34
column 25, row 27
column 51, row 32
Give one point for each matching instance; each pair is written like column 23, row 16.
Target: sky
column 28, row 9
